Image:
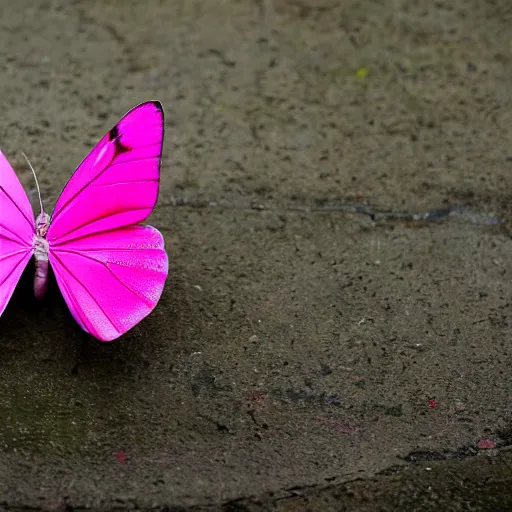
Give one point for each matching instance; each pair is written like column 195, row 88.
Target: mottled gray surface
column 310, row 317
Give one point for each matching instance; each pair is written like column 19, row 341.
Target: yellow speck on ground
column 362, row 72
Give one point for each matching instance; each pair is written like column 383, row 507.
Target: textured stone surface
column 339, row 296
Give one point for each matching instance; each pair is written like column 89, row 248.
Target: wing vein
column 17, row 240
column 88, row 292
column 75, row 228
column 12, row 270
column 131, row 160
column 92, row 249
column 109, row 230
column 17, row 206
column 80, row 190
column 106, row 168
column 126, row 182
column 8, row 255
column 78, row 253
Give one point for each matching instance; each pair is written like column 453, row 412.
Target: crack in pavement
column 460, row 212
column 419, row 485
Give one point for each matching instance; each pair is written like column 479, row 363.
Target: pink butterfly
column 110, row 269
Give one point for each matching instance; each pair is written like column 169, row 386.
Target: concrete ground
column 335, row 332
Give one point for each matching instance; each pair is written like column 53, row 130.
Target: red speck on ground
column 121, row 457
column 58, row 506
column 341, row 426
column 257, row 395
column 432, row 403
column 486, row 444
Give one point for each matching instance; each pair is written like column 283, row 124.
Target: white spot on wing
column 101, row 154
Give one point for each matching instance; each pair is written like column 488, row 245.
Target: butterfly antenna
column 37, row 183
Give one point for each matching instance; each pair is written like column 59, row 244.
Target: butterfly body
column 41, row 255
column 110, row 268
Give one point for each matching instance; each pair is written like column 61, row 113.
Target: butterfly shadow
column 25, row 320
column 46, row 331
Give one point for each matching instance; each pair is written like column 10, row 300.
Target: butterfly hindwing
column 111, row 280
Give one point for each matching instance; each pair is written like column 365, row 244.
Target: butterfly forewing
column 17, row 231
column 117, row 183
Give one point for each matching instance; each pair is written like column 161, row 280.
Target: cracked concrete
column 337, row 313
